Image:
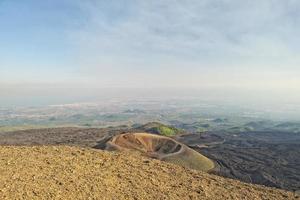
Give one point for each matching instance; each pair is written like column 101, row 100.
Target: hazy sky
column 143, row 43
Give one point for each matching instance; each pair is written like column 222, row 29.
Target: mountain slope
column 61, row 172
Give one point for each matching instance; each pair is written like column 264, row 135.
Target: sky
column 56, row 44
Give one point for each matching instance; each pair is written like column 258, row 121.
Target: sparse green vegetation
column 164, row 130
column 161, row 129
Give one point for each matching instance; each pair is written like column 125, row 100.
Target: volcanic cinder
column 162, row 148
column 62, row 172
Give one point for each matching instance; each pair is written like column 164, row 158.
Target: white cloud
column 159, row 39
column 162, row 43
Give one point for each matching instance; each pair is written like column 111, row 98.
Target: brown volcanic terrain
column 269, row 158
column 162, row 148
column 84, row 137
column 61, row 172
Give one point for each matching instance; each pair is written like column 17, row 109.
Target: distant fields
column 31, row 126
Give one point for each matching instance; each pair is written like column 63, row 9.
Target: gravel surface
column 62, row 172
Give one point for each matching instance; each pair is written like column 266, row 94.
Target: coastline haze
column 57, row 52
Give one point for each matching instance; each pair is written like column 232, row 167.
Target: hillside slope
column 270, row 158
column 61, row 172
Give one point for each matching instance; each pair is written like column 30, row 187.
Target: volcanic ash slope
column 63, row 172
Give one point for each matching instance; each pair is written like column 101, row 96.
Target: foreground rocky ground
column 62, row 172
column 267, row 158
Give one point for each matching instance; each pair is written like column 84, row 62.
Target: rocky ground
column 62, row 172
column 267, row 158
